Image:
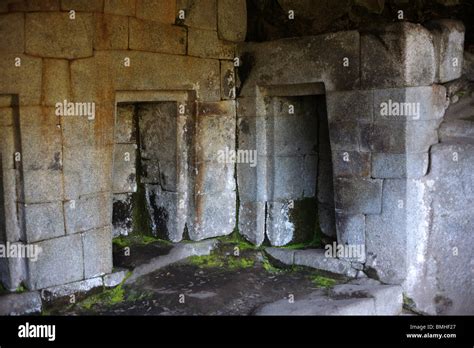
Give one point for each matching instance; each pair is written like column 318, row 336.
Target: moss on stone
column 323, row 282
column 304, row 216
column 215, row 260
column 137, row 239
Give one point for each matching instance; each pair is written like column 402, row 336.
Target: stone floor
column 225, row 284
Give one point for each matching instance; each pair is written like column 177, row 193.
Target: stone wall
column 88, row 52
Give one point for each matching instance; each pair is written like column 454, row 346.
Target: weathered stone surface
column 111, row 32
column 400, row 137
column 269, row 62
column 97, row 252
column 163, row 11
column 12, row 33
column 325, row 190
column 358, row 196
column 125, row 176
column 252, row 221
column 55, row 35
column 155, row 37
column 212, row 177
column 347, row 136
column 114, row 279
column 56, row 81
column 397, row 166
column 216, row 131
column 252, row 181
column 327, row 219
column 232, row 20
column 252, row 134
column 457, row 131
column 285, row 256
column 167, row 212
column 317, row 303
column 228, row 81
column 99, row 77
column 351, row 164
column 214, row 215
column 199, row 13
column 206, row 44
column 120, row 7
column 88, row 212
column 24, row 80
column 351, row 232
column 386, row 234
column 43, row 221
column 12, row 272
column 87, row 170
column 20, row 304
column 448, row 40
column 404, row 54
column 388, row 298
column 316, row 258
column 413, row 103
column 279, row 227
column 34, row 5
column 80, row 287
column 124, row 125
column 83, row 5
column 60, row 262
column 42, row 186
column 122, row 216
column 11, row 217
column 349, row 106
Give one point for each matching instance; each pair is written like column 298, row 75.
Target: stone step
column 21, row 303
column 358, row 297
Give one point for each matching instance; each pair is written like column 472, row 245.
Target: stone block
column 155, row 37
column 351, row 164
column 346, row 136
column 280, row 229
column 43, row 221
column 8, row 147
column 252, row 134
column 163, row 11
column 161, row 172
column 206, row 44
column 120, row 7
column 232, row 20
column 111, row 32
column 82, row 5
column 228, row 81
column 20, row 304
column 87, row 170
column 12, row 33
column 252, row 181
column 60, row 262
column 12, row 271
column 316, row 258
column 310, row 175
column 351, row 232
column 285, row 256
column 200, row 14
column 42, row 185
column 349, row 106
column 212, row 177
column 398, row 166
column 6, row 112
column 281, row 174
column 214, row 215
column 125, row 176
column 325, row 183
column 55, row 35
column 23, row 80
column 99, row 77
column 405, row 55
column 400, row 137
column 409, row 104
column 114, row 279
column 56, row 81
column 252, row 221
column 66, row 290
column 270, row 62
column 250, row 106
column 167, row 212
column 97, row 252
column 34, row 5
column 88, row 212
column 124, row 124
column 448, row 40
column 122, row 219
column 358, row 196
column 327, row 219
column 386, row 234
column 11, row 218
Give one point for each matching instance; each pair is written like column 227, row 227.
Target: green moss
column 323, row 282
column 266, row 264
column 137, row 239
column 237, row 240
column 21, row 289
column 305, row 219
column 224, row 262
